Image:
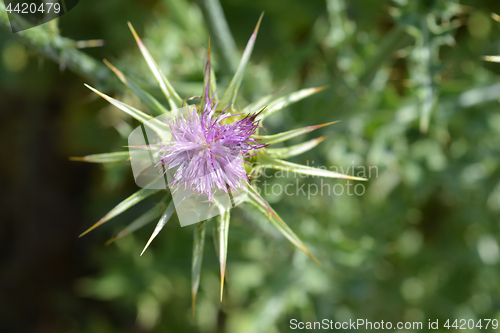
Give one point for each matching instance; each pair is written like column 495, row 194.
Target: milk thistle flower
column 207, row 152
column 208, row 146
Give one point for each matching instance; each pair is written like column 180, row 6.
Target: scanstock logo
column 35, row 12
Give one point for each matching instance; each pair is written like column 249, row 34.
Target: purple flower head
column 207, row 151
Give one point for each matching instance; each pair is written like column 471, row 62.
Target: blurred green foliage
column 415, row 101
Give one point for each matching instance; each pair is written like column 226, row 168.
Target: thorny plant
column 217, row 122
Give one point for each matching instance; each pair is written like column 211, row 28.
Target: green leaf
column 256, row 200
column 156, row 107
column 123, row 206
column 173, row 98
column 295, row 149
column 141, row 221
column 277, row 164
column 492, row 58
column 198, row 245
column 119, row 156
column 161, row 128
column 280, row 137
column 215, row 237
column 161, row 223
column 284, row 101
column 223, row 232
column 234, row 85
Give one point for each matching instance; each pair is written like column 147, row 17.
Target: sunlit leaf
column 173, row 98
column 141, row 221
column 234, row 85
column 156, row 107
column 294, row 150
column 256, row 200
column 284, row 101
column 123, row 206
column 119, row 156
column 198, row 245
column 215, row 237
column 492, row 58
column 161, row 223
column 223, row 232
column 280, row 137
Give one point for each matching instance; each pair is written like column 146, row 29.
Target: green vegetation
column 418, row 111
